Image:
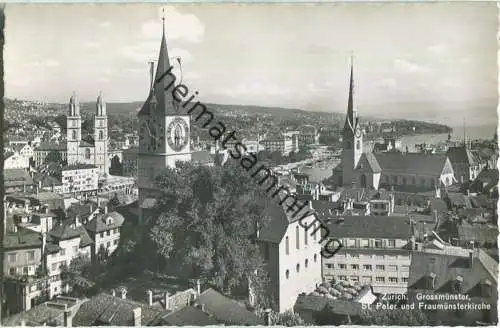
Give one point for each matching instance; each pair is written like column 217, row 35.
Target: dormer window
column 430, row 281
column 457, row 285
column 485, row 285
column 109, row 220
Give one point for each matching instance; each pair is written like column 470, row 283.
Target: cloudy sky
column 425, row 61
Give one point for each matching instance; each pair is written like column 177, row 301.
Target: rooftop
column 396, row 227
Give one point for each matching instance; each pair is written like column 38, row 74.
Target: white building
column 292, row 254
column 14, row 160
column 80, row 178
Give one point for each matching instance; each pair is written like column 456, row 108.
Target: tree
column 287, row 318
column 116, row 168
column 102, row 253
column 393, row 317
column 206, row 222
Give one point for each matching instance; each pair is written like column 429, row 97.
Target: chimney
column 123, row 293
column 471, row 259
column 137, row 316
column 435, row 216
column 203, row 307
column 149, row 295
column 106, row 209
column 68, row 320
column 198, row 287
column 468, row 192
column 267, row 317
column 113, row 292
column 167, row 301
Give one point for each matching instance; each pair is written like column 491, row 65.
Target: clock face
column 358, row 133
column 177, row 134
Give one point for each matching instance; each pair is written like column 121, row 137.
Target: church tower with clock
column 164, row 133
column 352, row 138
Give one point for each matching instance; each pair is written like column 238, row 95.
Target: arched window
column 298, row 267
column 413, row 181
column 287, row 274
column 87, row 153
column 287, row 246
column 348, row 145
column 306, row 263
column 313, row 227
column 404, row 180
column 101, row 135
column 358, row 144
column 394, row 179
column 363, row 181
column 315, row 258
column 447, row 181
column 306, row 231
column 73, row 135
column 297, row 238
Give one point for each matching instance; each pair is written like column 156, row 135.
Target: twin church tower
column 91, row 150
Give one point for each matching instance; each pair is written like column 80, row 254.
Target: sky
column 435, row 62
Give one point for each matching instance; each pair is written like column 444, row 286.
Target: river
column 323, row 170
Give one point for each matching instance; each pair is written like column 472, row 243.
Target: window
column 342, row 266
column 75, row 249
column 432, row 183
column 12, row 271
column 287, row 274
column 297, row 267
column 306, row 263
column 378, row 243
column 31, row 255
column 73, row 135
column 12, row 257
column 404, row 279
column 393, row 280
column 394, row 179
column 287, row 246
column 392, row 268
column 62, row 252
column 26, row 270
column 343, row 278
column 414, row 181
column 380, row 267
column 422, row 182
column 380, row 279
column 366, row 279
column 355, row 266
column 101, row 135
column 108, row 233
column 354, row 278
column 355, row 256
column 87, row 153
column 364, row 243
column 101, row 234
column 358, row 144
column 314, row 230
column 297, row 237
column 315, row 257
column 54, row 266
column 405, row 268
column 108, row 244
column 305, row 236
column 367, row 267
column 391, row 243
column 115, row 242
column 404, row 180
column 351, row 243
column 329, row 266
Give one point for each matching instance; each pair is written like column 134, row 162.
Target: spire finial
column 163, row 19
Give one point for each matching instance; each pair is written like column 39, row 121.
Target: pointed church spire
column 350, row 120
column 160, row 98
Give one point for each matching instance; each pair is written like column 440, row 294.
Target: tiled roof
column 15, row 177
column 446, row 268
column 98, row 224
column 202, row 157
column 370, row 227
column 372, row 162
column 104, row 309
column 458, row 199
column 412, row 163
column 85, row 143
column 478, row 232
column 226, row 310
column 47, row 146
column 319, row 303
column 188, row 316
column 66, row 231
column 181, row 299
column 460, row 155
column 47, row 180
column 36, row 316
column 79, row 167
column 23, row 238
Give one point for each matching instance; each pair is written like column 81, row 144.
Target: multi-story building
column 80, row 178
column 466, row 166
column 375, row 251
column 129, row 162
column 104, row 230
column 50, row 152
column 13, row 160
column 309, row 135
column 284, row 143
column 292, row 254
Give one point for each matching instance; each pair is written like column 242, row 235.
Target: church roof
column 350, row 122
column 411, row 163
column 372, row 162
column 461, row 155
column 162, row 80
